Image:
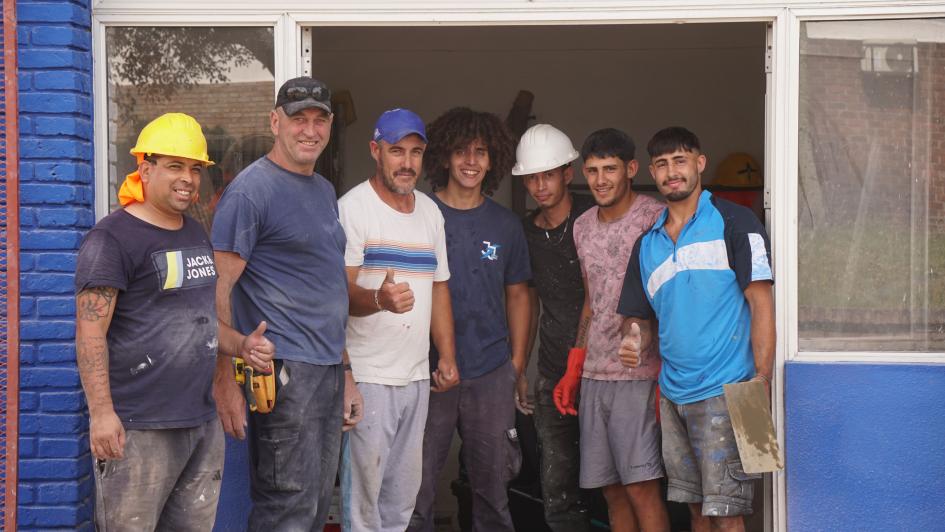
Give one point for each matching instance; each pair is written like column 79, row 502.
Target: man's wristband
column 377, row 302
column 763, row 376
column 347, row 367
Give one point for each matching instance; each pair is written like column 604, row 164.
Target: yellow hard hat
column 174, row 134
column 738, row 170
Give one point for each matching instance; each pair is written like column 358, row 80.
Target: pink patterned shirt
column 604, row 249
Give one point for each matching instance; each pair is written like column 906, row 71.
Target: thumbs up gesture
column 257, row 351
column 393, row 296
column 630, row 347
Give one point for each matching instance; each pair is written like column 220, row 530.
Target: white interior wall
column 639, row 78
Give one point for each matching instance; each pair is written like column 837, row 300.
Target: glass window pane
column 222, row 76
column 871, row 264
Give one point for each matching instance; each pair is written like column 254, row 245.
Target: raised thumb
column 260, row 329
column 390, row 276
column 635, row 337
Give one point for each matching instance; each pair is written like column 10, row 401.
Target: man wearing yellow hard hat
column 146, row 342
column 279, row 247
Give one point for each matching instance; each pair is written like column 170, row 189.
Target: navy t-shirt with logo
column 162, row 340
column 486, row 250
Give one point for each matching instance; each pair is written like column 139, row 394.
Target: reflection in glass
column 871, row 205
column 222, row 76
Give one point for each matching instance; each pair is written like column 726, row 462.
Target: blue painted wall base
column 865, row 447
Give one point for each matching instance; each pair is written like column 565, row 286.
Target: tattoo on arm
column 94, row 309
column 93, row 304
column 92, row 358
column 582, row 330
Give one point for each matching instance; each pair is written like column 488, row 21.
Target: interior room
column 709, row 78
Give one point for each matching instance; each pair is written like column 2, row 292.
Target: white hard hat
column 543, row 147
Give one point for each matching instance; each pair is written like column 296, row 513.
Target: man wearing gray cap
column 279, row 249
column 399, row 299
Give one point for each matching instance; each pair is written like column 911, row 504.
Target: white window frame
column 885, row 10
column 289, row 17
column 286, row 32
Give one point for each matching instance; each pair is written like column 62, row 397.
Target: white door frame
column 289, row 17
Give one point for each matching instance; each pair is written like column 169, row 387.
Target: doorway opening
column 707, row 77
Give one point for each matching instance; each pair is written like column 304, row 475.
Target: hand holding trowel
column 750, row 412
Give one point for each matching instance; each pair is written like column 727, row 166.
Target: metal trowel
column 754, row 431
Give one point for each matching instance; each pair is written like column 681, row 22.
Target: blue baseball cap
column 396, row 124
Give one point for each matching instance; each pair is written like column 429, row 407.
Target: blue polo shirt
column 695, row 288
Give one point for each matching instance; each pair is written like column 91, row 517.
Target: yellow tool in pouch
column 260, row 390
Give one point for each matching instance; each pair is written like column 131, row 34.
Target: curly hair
column 454, row 130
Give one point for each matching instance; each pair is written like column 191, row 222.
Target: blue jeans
column 294, row 449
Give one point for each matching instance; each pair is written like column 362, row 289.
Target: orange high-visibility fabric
column 132, row 191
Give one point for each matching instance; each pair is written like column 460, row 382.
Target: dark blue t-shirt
column 285, row 226
column 162, row 340
column 486, row 250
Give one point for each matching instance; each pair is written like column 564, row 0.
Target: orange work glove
column 566, row 390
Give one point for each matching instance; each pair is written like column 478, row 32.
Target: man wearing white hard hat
column 146, row 342
column 543, row 159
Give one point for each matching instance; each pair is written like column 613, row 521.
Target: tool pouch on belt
column 259, row 389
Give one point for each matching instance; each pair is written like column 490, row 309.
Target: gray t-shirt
column 285, row 226
column 162, row 340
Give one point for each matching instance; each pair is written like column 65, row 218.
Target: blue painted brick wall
column 56, row 208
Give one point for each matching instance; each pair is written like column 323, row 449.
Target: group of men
column 390, row 319
column 638, row 297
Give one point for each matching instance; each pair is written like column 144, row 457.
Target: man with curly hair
column 468, row 154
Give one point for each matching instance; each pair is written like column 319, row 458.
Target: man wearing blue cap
column 397, row 284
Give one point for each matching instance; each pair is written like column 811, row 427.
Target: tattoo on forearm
column 93, row 304
column 92, row 360
column 582, row 330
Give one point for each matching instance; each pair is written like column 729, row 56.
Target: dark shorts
column 620, row 438
column 701, row 457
